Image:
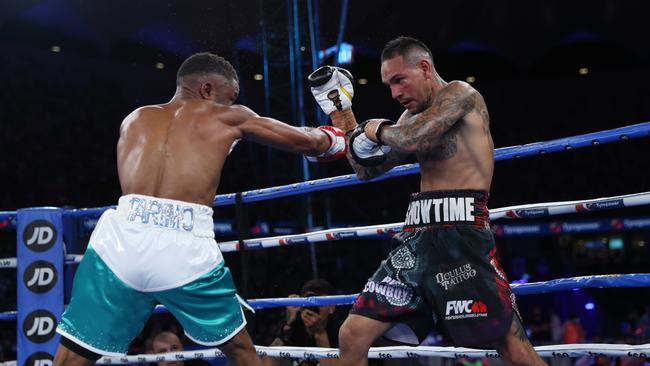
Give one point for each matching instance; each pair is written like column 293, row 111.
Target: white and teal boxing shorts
column 150, row 251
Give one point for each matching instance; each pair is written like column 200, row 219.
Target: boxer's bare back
column 177, row 150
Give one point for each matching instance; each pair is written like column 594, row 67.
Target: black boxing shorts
column 442, row 273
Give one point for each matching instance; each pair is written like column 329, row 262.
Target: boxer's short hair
column 206, row 63
column 405, row 47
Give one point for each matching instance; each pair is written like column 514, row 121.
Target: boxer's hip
column 153, row 244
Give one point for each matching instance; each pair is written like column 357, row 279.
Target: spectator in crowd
column 572, row 331
column 540, row 326
column 309, row 326
column 165, row 342
column 644, row 325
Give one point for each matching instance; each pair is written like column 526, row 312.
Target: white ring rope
column 520, row 211
column 554, row 351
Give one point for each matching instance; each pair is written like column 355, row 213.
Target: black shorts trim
column 83, row 352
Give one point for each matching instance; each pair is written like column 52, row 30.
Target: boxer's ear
column 207, row 90
column 426, row 66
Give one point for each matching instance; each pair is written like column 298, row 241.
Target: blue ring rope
column 537, row 148
column 560, row 284
column 512, row 152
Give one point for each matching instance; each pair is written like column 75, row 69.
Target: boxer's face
column 407, row 83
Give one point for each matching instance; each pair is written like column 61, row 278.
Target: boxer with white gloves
column 446, row 253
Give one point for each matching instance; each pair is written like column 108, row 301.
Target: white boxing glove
column 332, row 88
column 365, row 151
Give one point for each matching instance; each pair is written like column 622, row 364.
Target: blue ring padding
column 537, row 148
column 560, row 284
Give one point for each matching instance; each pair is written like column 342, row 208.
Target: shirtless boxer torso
column 158, row 245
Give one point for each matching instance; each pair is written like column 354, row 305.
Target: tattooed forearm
column 425, row 131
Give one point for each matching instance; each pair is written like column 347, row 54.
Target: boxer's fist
column 337, row 148
column 365, row 151
column 332, row 88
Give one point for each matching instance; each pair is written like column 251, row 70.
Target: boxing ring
column 42, row 262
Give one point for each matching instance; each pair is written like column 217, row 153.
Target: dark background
column 60, row 113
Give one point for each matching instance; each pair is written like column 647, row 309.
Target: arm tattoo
column 520, row 333
column 432, row 133
column 445, row 149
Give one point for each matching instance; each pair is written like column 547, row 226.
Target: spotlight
column 363, row 81
column 583, row 71
column 55, row 49
column 590, row 306
column 160, row 65
column 258, row 77
column 470, row 79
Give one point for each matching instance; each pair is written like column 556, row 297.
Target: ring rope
column 505, row 153
column 534, row 210
column 560, row 284
column 536, row 148
column 522, row 211
column 554, row 351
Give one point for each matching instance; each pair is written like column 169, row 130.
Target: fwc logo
column 39, row 235
column 39, row 326
column 39, row 359
column 462, row 309
column 40, row 276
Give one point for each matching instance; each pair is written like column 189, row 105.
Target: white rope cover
column 553, row 351
column 520, row 211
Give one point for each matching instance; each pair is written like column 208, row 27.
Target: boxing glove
column 337, row 148
column 332, row 87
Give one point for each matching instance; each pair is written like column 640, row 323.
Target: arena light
column 363, row 81
column 344, row 56
column 55, row 49
column 160, row 65
column 590, row 306
column 583, row 71
column 470, row 79
column 258, row 77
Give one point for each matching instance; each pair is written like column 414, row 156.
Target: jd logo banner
column 39, row 235
column 40, row 276
column 39, row 326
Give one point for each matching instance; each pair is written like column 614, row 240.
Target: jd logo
column 39, row 359
column 40, row 276
column 39, row 326
column 39, row 235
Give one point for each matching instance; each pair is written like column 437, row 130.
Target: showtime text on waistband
column 440, row 210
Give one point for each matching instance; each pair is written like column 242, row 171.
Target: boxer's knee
column 357, row 334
